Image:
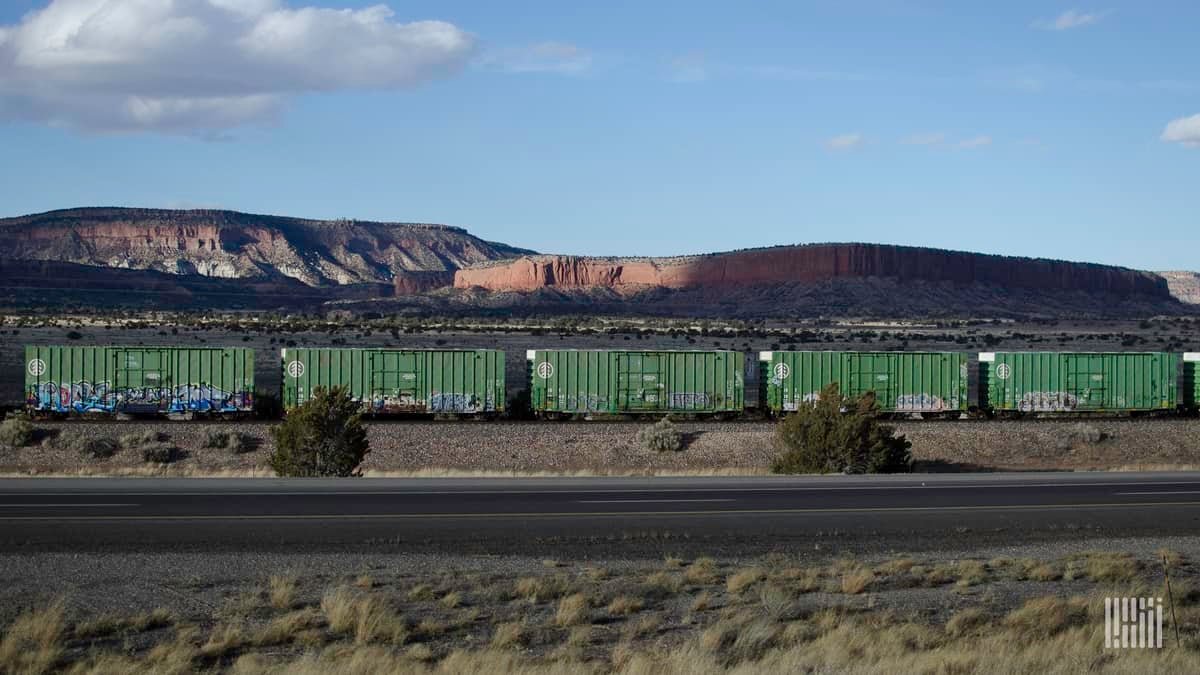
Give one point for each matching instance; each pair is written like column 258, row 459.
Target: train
column 582, row 383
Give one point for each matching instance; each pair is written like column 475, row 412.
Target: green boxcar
column 1191, row 379
column 904, row 382
column 1033, row 382
column 576, row 381
column 139, row 380
column 400, row 380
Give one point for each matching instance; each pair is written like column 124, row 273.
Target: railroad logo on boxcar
column 295, row 369
column 545, row 370
column 1003, row 371
column 782, row 370
column 37, row 367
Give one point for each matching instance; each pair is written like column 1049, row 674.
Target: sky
column 623, row 127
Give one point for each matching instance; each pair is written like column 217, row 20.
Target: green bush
column 16, row 431
column 232, row 441
column 662, row 436
column 322, row 437
column 838, row 434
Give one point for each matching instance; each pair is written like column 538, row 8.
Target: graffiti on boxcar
column 1047, row 401
column 86, row 396
column 689, row 400
column 924, row 403
column 461, row 403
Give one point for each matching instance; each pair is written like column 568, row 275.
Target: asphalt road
column 528, row 515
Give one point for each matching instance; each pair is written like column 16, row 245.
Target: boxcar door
column 396, row 382
column 639, row 380
column 872, row 373
column 142, row 378
column 1086, row 381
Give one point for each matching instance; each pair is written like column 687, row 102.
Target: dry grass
column 572, row 610
column 365, row 582
column 624, row 605
column 662, row 584
column 702, row 572
column 1040, row 617
column 286, row 628
column 965, row 621
column 777, row 603
column 420, row 593
column 281, row 591
column 108, row 625
column 702, row 602
column 33, row 642
column 509, row 634
column 857, row 580
column 340, row 606
column 1111, row 567
column 375, row 621
column 743, row 579
column 971, row 573
column 451, row 600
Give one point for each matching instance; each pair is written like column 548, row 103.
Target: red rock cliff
column 810, row 263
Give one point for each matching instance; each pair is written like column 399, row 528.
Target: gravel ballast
column 612, row 448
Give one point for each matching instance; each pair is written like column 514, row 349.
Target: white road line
column 1167, row 492
column 59, row 506
column 646, row 501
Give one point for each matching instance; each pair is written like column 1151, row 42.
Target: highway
column 498, row 515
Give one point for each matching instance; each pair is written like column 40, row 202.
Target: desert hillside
column 232, row 245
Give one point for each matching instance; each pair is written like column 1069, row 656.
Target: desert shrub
column 142, row 439
column 839, row 434
column 322, row 437
column 160, row 453
column 662, row 436
column 16, row 431
column 95, row 447
column 1080, row 434
column 231, row 441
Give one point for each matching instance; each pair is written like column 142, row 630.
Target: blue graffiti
column 82, row 397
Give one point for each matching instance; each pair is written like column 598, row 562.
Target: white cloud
column 1072, row 18
column 924, row 139
column 200, row 66
column 687, row 68
column 544, row 57
column 845, row 141
column 1185, row 130
column 976, row 142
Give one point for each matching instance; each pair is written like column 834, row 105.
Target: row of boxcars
column 571, row 382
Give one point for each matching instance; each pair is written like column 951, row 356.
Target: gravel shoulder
column 422, row 448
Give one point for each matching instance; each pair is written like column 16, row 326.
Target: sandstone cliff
column 808, row 264
column 1185, row 286
column 228, row 244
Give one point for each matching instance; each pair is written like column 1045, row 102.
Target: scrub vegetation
column 839, row 434
column 696, row 616
column 324, row 436
column 662, row 436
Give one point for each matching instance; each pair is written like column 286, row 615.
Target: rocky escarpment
column 1185, row 286
column 232, row 245
column 809, row 264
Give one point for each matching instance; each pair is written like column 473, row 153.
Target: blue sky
column 641, row 128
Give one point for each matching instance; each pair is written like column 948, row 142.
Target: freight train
column 574, row 383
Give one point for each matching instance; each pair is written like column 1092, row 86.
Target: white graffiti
column 1047, row 401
